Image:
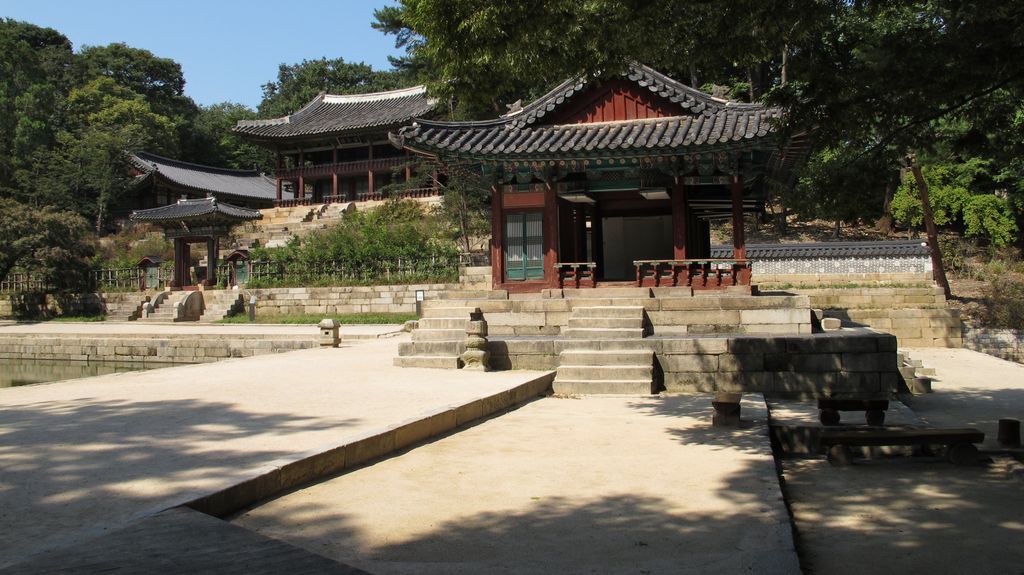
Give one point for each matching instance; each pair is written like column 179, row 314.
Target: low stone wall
column 352, row 299
column 148, row 349
column 918, row 317
column 852, row 362
column 695, row 314
column 36, row 305
column 1002, row 343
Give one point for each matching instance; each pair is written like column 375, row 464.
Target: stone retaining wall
column 34, row 305
column 351, row 299
column 918, row 317
column 1003, row 343
column 147, row 349
column 855, row 362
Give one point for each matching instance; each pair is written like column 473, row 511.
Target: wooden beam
column 680, row 223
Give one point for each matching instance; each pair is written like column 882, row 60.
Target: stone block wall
column 351, row 299
column 36, row 305
column 918, row 317
column 148, row 349
column 1003, row 343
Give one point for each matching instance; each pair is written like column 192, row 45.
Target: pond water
column 15, row 372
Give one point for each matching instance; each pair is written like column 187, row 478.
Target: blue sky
column 226, row 48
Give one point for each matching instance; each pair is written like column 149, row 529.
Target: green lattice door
column 524, row 246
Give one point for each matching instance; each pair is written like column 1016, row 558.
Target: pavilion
column 160, row 181
column 617, row 179
column 193, row 221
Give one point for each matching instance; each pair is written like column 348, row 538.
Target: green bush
column 1004, row 301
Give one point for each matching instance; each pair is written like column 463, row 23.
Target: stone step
column 430, row 361
column 908, row 372
column 605, row 372
column 444, row 323
column 435, row 348
column 640, row 357
column 447, row 312
column 472, row 294
column 608, row 311
column 603, row 333
column 576, row 387
column 568, row 293
column 606, row 322
column 926, row 372
column 612, row 344
column 438, row 334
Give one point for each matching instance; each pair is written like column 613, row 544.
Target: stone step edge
column 284, row 474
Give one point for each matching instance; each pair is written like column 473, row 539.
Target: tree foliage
column 55, row 244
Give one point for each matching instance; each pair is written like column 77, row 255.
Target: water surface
column 15, row 372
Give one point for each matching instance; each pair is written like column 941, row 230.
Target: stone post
column 726, row 410
column 476, row 356
column 329, row 336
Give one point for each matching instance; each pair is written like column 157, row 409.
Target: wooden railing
column 576, row 273
column 708, row 273
column 23, row 282
column 360, row 197
column 342, row 168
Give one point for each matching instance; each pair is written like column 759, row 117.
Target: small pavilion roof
column 706, row 122
column 206, row 179
column 204, row 210
column 329, row 114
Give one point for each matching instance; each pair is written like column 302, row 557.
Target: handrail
column 341, row 168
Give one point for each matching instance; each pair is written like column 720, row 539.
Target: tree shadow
column 74, row 467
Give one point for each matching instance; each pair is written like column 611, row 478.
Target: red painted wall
column 616, row 100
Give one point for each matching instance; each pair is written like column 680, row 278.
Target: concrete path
column 970, row 389
column 106, row 328
column 591, row 485
column 82, row 457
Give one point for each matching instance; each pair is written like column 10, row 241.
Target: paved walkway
column 82, row 457
column 591, row 485
column 105, row 328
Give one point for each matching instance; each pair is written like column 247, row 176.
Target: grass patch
column 313, row 319
column 78, row 318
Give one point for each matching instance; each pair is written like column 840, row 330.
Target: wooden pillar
column 211, row 261
column 301, row 192
column 597, row 238
column 277, row 175
column 550, row 235
column 680, row 221
column 334, row 174
column 739, row 241
column 369, row 170
column 497, row 239
column 408, row 168
column 176, row 276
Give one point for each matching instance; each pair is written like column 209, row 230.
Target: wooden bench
column 874, row 410
column 575, row 273
column 959, row 441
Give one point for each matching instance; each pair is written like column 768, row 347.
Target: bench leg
column 875, row 417
column 828, row 416
column 962, row 454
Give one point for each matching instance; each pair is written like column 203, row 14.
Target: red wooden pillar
column 497, row 238
column 277, row 175
column 739, row 241
column 550, row 236
column 301, row 192
column 334, row 174
column 680, row 221
column 211, row 262
column 408, row 168
column 369, row 171
column 176, row 275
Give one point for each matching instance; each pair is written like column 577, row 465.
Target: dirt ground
column 906, row 515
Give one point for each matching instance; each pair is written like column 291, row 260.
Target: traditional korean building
column 161, row 181
column 335, row 149
column 617, row 180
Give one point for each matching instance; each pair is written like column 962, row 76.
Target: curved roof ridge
column 147, row 159
column 373, row 96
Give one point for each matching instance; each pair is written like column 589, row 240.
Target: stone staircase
column 125, row 306
column 439, row 339
column 917, row 379
column 280, row 225
column 219, row 304
column 163, row 308
column 605, row 353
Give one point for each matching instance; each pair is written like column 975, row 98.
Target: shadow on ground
column 85, row 465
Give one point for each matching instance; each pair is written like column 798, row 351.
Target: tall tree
column 297, row 84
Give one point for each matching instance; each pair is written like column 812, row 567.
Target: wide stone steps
column 421, row 334
column 605, row 372
column 606, row 292
column 443, row 323
column 606, row 322
column 431, row 348
column 447, row 312
column 429, row 361
column 607, row 312
column 619, row 357
column 603, row 333
column 438, row 340
column 595, row 387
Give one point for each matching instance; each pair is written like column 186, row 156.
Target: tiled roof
column 202, row 208
column 330, row 114
column 829, row 250
column 709, row 121
column 207, row 179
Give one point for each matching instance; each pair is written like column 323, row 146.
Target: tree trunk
column 938, row 271
column 885, row 223
column 784, row 75
column 835, row 230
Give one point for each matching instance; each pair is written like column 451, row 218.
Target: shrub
column 1004, row 301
